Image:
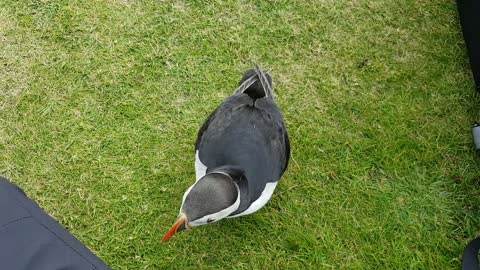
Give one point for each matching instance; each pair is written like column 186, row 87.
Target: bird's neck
column 237, row 174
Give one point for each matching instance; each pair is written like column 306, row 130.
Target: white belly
column 260, row 202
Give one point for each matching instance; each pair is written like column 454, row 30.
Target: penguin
column 241, row 152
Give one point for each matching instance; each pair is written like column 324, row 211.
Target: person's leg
column 32, row 240
column 470, row 255
column 469, row 11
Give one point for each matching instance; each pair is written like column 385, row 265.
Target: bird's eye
column 210, row 220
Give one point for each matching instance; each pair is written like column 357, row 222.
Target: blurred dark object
column 469, row 11
column 32, row 240
column 470, row 255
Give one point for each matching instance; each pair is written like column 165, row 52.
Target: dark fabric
column 32, row 240
column 470, row 255
column 469, row 11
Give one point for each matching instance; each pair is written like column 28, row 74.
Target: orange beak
column 180, row 225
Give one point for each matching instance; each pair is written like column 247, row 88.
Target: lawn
column 100, row 102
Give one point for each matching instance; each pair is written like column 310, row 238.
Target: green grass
column 100, row 102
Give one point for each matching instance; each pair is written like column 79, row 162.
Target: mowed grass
column 100, row 102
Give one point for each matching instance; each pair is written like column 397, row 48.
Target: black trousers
column 469, row 11
column 32, row 240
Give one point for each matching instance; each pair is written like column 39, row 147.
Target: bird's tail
column 256, row 83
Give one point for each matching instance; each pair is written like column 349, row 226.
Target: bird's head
column 212, row 198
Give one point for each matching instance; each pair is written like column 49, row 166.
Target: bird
column 241, row 152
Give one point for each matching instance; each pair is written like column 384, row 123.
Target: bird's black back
column 253, row 138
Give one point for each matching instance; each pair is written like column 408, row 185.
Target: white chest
column 200, row 168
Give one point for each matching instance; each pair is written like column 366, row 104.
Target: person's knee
column 4, row 183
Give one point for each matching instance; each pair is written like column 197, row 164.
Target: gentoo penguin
column 241, row 152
